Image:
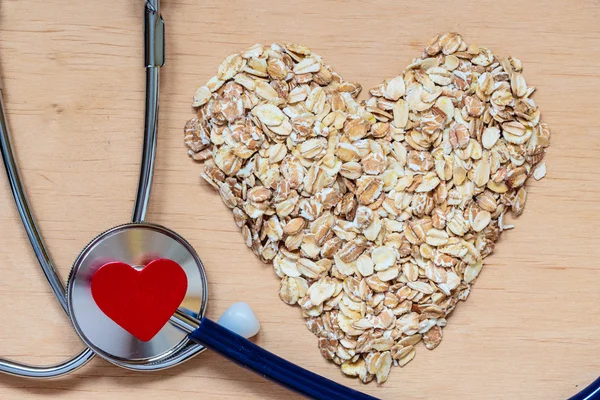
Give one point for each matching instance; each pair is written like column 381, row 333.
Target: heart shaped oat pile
column 377, row 215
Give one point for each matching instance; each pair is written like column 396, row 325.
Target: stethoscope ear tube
column 154, row 58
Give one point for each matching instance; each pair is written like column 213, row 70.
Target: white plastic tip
column 240, row 319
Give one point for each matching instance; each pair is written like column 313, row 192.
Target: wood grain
column 74, row 85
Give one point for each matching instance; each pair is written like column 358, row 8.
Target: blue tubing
column 248, row 355
column 592, row 392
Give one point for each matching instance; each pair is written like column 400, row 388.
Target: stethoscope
column 148, row 254
column 142, row 246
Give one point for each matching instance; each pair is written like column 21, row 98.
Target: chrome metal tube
column 149, row 146
column 43, row 257
column 33, row 233
column 52, row 371
column 154, row 58
column 184, row 321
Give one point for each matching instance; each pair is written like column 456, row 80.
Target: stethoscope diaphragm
column 135, row 244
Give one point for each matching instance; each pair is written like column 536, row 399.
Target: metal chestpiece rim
column 134, row 244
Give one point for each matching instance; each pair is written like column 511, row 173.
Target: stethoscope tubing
column 253, row 357
column 591, row 392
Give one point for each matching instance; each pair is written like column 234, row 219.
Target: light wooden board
column 74, row 96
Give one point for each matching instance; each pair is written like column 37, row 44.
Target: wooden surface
column 74, row 88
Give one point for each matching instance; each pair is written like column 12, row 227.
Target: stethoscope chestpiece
column 137, row 245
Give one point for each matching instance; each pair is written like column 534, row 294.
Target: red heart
column 141, row 302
